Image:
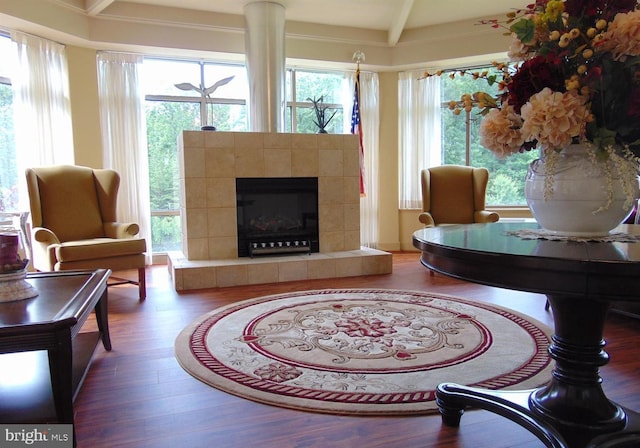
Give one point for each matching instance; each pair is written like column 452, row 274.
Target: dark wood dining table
column 581, row 280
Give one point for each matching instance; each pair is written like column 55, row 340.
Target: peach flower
column 622, row 38
column 500, row 131
column 554, row 118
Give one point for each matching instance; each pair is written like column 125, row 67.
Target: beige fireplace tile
column 351, row 240
column 249, row 162
column 249, row 140
column 195, row 192
column 348, row 266
column 277, row 140
column 199, row 278
column 330, row 163
column 330, row 192
column 331, row 217
column 220, row 162
column 351, row 160
column 197, row 222
column 192, row 138
column 304, row 141
column 351, row 217
column 321, row 268
column 222, row 248
column 277, row 163
column 232, row 275
column 351, row 186
column 304, row 162
column 262, row 273
column 197, row 249
column 331, row 241
column 293, row 270
column 330, row 141
column 376, row 263
column 219, row 139
column 222, row 222
column 194, row 162
column 221, row 192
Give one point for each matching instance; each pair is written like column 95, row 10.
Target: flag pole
column 356, row 123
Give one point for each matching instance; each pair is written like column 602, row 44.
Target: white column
column 265, row 59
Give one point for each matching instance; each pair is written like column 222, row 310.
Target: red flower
column 533, row 76
column 598, row 8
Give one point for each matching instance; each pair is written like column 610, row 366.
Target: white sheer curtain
column 42, row 109
column 370, row 120
column 419, row 131
column 124, row 137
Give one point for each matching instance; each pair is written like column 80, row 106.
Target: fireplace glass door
column 277, row 215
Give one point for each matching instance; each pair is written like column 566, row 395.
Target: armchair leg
column 142, row 283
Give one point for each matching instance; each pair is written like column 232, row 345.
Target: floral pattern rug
column 362, row 351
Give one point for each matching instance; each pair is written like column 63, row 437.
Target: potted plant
column 322, row 118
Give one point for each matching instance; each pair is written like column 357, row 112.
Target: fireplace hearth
column 277, row 215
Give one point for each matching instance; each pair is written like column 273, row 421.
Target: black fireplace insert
column 277, row 215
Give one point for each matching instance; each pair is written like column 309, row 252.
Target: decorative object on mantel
column 362, row 351
column 13, row 285
column 206, row 93
column 576, row 80
column 320, row 109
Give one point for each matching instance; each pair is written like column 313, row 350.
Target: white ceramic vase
column 576, row 196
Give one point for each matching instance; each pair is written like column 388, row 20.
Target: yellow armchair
column 454, row 194
column 74, row 225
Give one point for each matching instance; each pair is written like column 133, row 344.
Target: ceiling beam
column 399, row 21
column 95, row 7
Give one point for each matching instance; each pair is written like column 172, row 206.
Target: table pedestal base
column 452, row 400
column 571, row 410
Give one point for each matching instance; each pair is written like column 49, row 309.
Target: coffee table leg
column 102, row 318
column 61, row 372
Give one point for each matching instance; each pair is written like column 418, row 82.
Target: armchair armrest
column 44, row 236
column 426, row 219
column 121, row 229
column 485, row 216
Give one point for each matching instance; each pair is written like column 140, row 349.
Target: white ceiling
column 392, row 16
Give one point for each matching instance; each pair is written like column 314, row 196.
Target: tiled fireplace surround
column 209, row 164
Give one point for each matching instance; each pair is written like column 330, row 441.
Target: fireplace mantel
column 210, row 162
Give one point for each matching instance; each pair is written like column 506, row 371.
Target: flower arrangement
column 573, row 77
column 576, row 78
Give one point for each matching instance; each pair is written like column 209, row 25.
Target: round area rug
column 362, row 351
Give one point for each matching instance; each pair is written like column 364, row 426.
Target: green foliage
column 8, row 171
column 506, row 182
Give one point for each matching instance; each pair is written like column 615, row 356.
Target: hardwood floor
column 138, row 396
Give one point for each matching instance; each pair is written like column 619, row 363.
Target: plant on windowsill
column 206, row 93
column 576, row 79
column 320, row 109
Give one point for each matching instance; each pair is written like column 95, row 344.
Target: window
column 304, row 86
column 461, row 144
column 169, row 111
column 8, row 166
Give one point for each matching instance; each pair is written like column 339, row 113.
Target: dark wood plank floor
column 138, row 396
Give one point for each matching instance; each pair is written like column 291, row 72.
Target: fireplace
column 277, row 215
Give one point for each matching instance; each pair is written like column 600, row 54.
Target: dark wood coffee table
column 48, row 327
column 581, row 281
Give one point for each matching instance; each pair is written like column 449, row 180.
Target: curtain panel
column 42, row 108
column 420, row 133
column 124, row 136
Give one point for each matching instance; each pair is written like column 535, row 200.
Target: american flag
column 356, row 127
